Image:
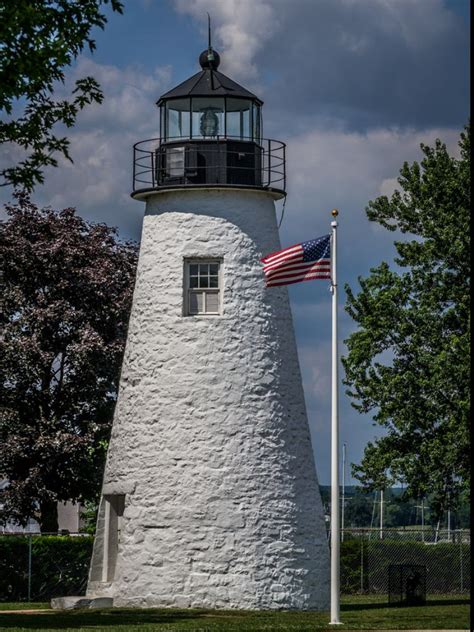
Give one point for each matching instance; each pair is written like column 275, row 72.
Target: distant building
column 69, row 519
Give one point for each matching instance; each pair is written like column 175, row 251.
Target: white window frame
column 205, row 291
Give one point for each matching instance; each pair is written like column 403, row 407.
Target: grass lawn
column 358, row 613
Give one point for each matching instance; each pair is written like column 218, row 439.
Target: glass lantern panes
column 238, row 114
column 203, row 282
column 243, row 119
column 208, row 117
column 178, row 119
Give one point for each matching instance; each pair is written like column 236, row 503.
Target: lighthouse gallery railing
column 218, row 161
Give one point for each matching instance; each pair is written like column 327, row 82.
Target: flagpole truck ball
column 210, row 496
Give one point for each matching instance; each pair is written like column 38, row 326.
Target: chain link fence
column 39, row 567
column 366, row 555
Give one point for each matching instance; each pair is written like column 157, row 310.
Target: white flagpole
column 335, row 509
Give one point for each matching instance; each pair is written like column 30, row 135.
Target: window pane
column 193, row 282
column 203, row 281
column 208, row 117
column 173, row 124
column 214, row 268
column 196, row 302
column 204, row 269
column 212, row 302
column 213, row 281
column 193, row 269
column 237, row 113
column 178, row 119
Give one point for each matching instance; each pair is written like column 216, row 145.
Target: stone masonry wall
column 210, row 442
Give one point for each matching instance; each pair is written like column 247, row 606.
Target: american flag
column 302, row 262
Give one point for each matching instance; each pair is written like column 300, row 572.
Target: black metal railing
column 207, row 162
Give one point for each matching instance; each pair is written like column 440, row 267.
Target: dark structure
column 210, row 136
column 407, row 585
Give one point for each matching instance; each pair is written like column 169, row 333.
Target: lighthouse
column 210, row 496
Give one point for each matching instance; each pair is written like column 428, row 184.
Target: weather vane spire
column 210, row 52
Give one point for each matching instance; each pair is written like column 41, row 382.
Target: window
column 238, row 118
column 177, row 119
column 203, row 286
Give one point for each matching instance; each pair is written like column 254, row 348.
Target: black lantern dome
column 211, row 135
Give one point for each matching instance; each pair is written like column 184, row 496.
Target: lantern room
column 210, row 136
column 209, row 118
column 208, row 106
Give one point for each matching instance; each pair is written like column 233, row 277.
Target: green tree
column 398, row 511
column 37, row 41
column 358, row 509
column 66, row 295
column 408, row 362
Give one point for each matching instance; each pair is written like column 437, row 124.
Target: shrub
column 364, row 564
column 59, row 566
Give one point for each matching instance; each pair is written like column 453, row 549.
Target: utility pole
column 381, row 514
column 372, row 518
column 421, row 506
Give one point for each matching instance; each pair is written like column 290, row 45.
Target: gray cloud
column 373, row 63
column 363, row 64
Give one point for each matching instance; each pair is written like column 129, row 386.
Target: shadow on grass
column 359, row 615
column 354, row 607
column 61, row 620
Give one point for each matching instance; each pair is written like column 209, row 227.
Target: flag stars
column 316, row 249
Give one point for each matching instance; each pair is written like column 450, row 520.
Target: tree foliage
column 408, row 361
column 66, row 292
column 37, row 41
column 358, row 509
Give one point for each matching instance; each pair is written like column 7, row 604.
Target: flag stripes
column 307, row 261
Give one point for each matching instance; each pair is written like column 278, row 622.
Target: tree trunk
column 49, row 516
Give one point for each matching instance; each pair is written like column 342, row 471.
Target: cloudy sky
column 352, row 86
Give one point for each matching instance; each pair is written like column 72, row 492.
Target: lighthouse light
column 209, row 122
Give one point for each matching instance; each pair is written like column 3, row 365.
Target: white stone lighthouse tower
column 210, row 496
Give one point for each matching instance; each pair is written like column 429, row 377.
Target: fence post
column 362, row 564
column 29, row 567
column 461, row 562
